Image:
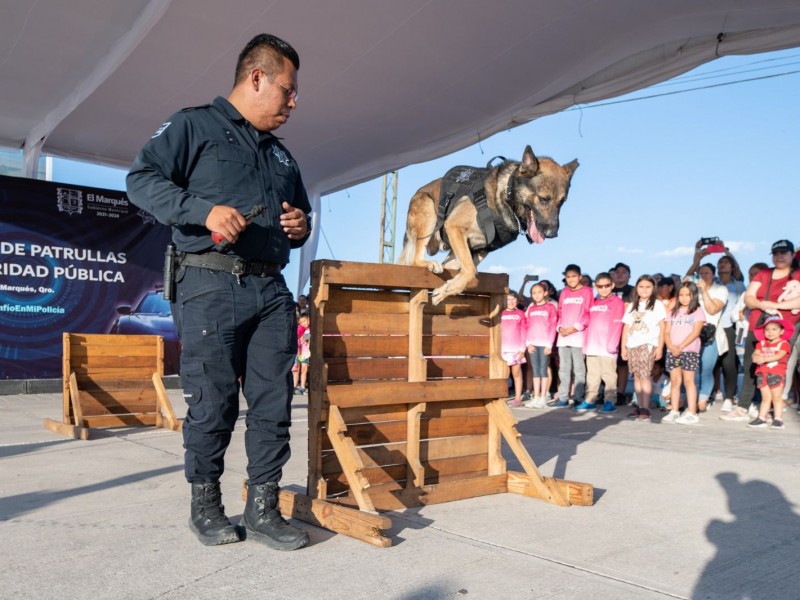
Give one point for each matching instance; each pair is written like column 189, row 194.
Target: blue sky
column 656, row 174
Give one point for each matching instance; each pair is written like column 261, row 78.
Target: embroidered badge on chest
column 464, row 175
column 280, row 155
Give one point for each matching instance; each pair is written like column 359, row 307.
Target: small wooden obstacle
column 112, row 381
column 407, row 401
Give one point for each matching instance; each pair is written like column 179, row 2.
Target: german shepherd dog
column 527, row 197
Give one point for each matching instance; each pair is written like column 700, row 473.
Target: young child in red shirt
column 771, row 355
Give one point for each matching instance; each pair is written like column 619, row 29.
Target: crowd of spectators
column 577, row 347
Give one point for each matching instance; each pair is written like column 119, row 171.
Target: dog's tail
column 409, row 246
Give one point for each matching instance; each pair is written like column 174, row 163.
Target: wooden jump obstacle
column 112, row 381
column 407, row 401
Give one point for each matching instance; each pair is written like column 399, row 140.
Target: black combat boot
column 208, row 520
column 262, row 521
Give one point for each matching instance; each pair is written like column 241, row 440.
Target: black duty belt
column 229, row 264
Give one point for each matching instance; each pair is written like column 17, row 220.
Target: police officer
column 204, row 171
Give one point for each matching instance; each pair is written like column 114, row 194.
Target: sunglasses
column 602, row 286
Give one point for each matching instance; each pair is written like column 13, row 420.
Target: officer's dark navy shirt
column 211, row 155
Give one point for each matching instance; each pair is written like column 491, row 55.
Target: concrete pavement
column 710, row 511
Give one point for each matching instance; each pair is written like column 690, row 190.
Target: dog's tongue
column 533, row 232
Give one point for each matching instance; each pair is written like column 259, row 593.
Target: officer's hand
column 227, row 221
column 294, row 223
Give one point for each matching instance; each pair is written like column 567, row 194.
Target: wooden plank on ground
column 67, row 429
column 164, row 404
column 575, row 492
column 377, row 393
column 75, row 401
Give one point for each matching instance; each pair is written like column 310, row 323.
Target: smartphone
column 715, row 248
column 708, row 240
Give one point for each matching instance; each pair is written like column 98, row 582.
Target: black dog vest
column 469, row 181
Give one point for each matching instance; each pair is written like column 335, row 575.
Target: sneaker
column 757, row 423
column 525, row 397
column 727, row 406
column 515, row 403
column 752, row 412
column 687, row 418
column 559, row 404
column 585, row 406
column 777, row 424
column 540, row 402
column 737, row 414
column 634, row 414
column 671, row 416
column 644, row 414
column 608, row 407
column 718, row 396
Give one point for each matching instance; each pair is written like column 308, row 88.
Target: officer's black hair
column 264, row 50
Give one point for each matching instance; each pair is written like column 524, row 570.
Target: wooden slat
column 101, row 403
column 403, row 277
column 114, row 373
column 395, row 454
column 100, row 339
column 91, row 353
column 317, row 383
column 361, row 369
column 435, row 472
column 390, row 324
column 396, row 431
column 397, row 412
column 122, row 420
column 353, row 346
column 368, row 301
column 377, row 393
column 392, row 497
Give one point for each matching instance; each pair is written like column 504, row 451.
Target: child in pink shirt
column 512, row 333
column 541, row 317
column 682, row 335
column 573, row 316
column 600, row 345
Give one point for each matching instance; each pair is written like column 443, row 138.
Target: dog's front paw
column 435, row 267
column 439, row 294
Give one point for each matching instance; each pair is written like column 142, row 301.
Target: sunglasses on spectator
column 602, row 286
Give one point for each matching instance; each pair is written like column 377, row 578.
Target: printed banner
column 76, row 259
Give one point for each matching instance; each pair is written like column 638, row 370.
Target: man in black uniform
column 202, row 172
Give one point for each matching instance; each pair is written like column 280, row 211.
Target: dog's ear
column 571, row 166
column 530, row 164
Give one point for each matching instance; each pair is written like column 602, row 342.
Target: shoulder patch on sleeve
column 161, row 129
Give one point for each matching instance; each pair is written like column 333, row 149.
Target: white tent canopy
column 383, row 83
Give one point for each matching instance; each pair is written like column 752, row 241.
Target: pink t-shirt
column 682, row 324
column 605, row 327
column 573, row 311
column 541, row 324
column 512, row 328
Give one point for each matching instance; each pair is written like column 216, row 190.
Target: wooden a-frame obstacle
column 112, row 381
column 407, row 401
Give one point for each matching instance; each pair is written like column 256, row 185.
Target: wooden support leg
column 164, row 405
column 501, row 415
column 351, row 463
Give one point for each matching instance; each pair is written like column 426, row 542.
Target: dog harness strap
column 469, row 181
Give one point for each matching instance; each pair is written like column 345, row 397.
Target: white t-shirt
column 717, row 291
column 643, row 325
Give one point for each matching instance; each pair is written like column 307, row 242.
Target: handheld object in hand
column 715, row 248
column 708, row 240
